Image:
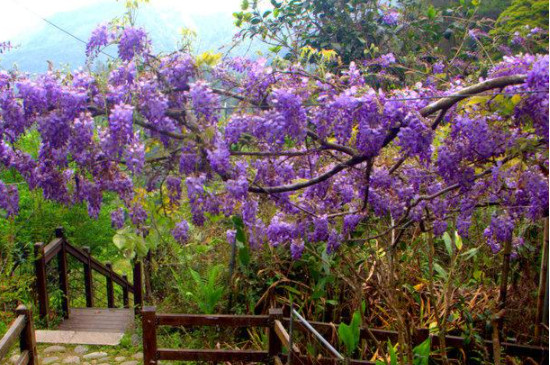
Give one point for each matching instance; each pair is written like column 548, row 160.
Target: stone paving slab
column 79, row 337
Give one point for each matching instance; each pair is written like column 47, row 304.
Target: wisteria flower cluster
column 325, row 152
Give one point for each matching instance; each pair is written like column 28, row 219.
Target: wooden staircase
column 92, row 324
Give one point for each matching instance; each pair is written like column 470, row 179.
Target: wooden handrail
column 52, row 248
column 60, row 247
column 278, row 337
column 151, row 320
column 96, row 265
column 213, row 355
column 22, row 329
column 12, row 335
column 226, row 320
column 284, row 336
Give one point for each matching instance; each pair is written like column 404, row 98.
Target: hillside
column 46, row 43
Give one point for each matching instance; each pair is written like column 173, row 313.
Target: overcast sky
column 18, row 16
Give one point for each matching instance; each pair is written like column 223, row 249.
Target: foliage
column 416, row 35
column 350, row 334
column 530, row 13
column 421, row 354
column 324, row 178
column 207, row 292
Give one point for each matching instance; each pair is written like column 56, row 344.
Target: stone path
column 86, row 355
column 78, row 337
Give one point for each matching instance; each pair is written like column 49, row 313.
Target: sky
column 21, row 16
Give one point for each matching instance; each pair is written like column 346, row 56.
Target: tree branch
column 441, row 104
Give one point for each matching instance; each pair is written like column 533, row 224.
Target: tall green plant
column 207, row 291
column 350, row 335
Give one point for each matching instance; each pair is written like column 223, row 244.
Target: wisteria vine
column 329, row 151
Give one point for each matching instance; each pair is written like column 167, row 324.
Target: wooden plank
column 149, row 325
column 274, row 345
column 125, row 290
column 284, row 336
column 41, row 281
column 28, row 339
column 88, row 279
column 63, row 280
column 52, row 249
column 12, row 335
column 23, row 358
column 137, row 287
column 98, row 320
column 213, row 355
column 225, row 320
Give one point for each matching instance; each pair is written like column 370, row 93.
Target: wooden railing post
column 28, row 341
column 62, row 268
column 275, row 345
column 110, row 290
column 41, row 284
column 125, row 300
column 88, row 280
column 149, row 325
column 138, row 287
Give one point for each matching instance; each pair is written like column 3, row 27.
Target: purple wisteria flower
column 297, row 249
column 438, row 67
column 181, row 232
column 173, row 185
column 9, row 199
column 334, row 241
column 117, row 218
column 134, row 155
column 101, row 37
column 320, row 229
column 138, row 215
column 391, row 17
column 132, row 41
column 205, row 102
column 386, row 60
column 230, row 236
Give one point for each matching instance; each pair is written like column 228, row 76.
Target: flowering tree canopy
column 329, row 151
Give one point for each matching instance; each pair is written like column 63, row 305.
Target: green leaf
column 244, row 255
column 291, row 290
column 458, row 241
column 441, row 271
column 244, row 4
column 470, row 253
column 196, row 277
column 421, row 353
column 431, row 13
column 448, row 243
column 393, row 355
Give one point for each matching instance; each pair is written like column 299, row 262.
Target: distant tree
column 532, row 13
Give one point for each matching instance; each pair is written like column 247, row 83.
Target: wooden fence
column 60, row 248
column 278, row 337
column 22, row 329
column 151, row 320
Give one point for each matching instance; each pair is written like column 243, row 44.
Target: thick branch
column 275, row 154
column 441, row 104
column 496, row 83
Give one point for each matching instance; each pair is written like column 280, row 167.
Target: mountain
column 35, row 48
